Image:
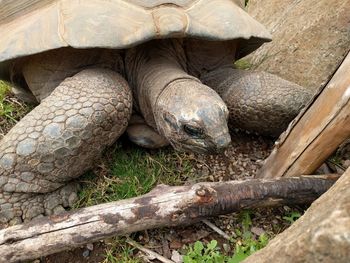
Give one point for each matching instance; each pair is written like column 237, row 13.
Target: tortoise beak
column 221, row 142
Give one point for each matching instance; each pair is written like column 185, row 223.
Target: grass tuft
column 129, row 172
column 118, row 251
column 11, row 109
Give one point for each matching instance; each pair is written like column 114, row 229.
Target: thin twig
column 148, row 251
column 216, row 229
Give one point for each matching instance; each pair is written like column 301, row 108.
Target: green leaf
column 212, row 245
column 238, row 257
column 198, row 247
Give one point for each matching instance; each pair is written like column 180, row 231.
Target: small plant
column 242, row 64
column 292, row 217
column 247, row 246
column 209, row 253
column 246, row 243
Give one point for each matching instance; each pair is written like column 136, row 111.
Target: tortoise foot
column 258, row 101
column 144, row 135
column 17, row 208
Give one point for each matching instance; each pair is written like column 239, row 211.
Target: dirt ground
column 241, row 160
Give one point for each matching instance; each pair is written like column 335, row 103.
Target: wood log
column 322, row 234
column 164, row 206
column 316, row 132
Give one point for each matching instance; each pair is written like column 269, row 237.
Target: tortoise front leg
column 58, row 141
column 257, row 101
column 140, row 133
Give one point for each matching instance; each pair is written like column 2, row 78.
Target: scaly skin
column 58, row 141
column 189, row 114
column 258, row 101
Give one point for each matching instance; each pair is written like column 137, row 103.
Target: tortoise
column 89, row 63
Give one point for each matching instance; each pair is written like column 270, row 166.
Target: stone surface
column 322, row 234
column 310, row 38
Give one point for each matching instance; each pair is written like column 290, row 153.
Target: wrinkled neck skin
column 150, row 68
column 189, row 114
column 206, row 56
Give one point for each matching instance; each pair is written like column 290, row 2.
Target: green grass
column 11, row 109
column 244, row 243
column 118, row 251
column 126, row 172
column 292, row 217
column 129, row 172
column 6, row 108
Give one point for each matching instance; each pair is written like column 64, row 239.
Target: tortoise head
column 192, row 117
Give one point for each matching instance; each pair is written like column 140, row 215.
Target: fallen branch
column 216, row 229
column 164, row 206
column 322, row 234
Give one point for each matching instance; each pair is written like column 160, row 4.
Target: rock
column 86, row 253
column 176, row 257
column 322, row 234
column 90, row 246
column 257, row 231
column 310, row 38
column 346, row 163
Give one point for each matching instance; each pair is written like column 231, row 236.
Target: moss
column 242, row 64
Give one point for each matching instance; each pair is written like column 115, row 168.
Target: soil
column 241, row 160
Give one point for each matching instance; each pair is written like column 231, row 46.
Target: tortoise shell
column 33, row 26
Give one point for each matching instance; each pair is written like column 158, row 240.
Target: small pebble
column 86, row 253
column 226, row 247
column 176, row 257
column 257, row 231
column 346, row 164
column 90, row 246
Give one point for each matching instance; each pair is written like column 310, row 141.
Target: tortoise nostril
column 222, row 142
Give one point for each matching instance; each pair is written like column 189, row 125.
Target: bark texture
column 317, row 133
column 322, row 234
column 310, row 38
column 164, row 206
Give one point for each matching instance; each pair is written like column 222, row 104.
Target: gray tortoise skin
column 183, row 88
column 59, row 139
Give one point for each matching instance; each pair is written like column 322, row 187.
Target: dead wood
column 322, row 234
column 316, row 133
column 164, row 206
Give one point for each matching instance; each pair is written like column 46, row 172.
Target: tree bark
column 316, row 133
column 164, row 206
column 322, row 234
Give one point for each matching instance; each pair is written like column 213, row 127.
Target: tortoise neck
column 151, row 68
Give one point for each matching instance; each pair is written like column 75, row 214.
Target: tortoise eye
column 193, row 131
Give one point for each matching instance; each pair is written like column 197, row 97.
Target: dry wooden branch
column 164, row 206
column 322, row 234
column 316, row 133
column 216, row 229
